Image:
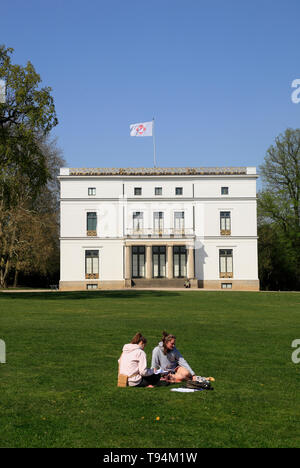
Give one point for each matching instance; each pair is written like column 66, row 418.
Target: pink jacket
column 134, row 361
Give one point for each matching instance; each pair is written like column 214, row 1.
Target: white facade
column 109, row 212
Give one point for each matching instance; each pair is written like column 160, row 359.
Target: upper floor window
column 158, row 190
column 179, row 220
column 224, row 190
column 138, row 221
column 91, row 191
column 178, row 191
column 158, row 221
column 225, row 223
column 137, row 191
column 91, row 223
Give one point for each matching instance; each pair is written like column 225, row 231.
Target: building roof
column 155, row 171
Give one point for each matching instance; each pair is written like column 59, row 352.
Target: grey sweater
column 170, row 360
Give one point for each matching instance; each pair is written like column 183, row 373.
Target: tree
column 26, row 118
column 30, row 238
column 279, row 206
column 27, row 112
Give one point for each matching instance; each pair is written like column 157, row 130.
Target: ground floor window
column 226, row 263
column 92, row 264
column 159, row 262
column 179, row 261
column 226, row 285
column 138, row 262
column 92, row 286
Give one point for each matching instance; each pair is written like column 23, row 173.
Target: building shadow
column 90, row 295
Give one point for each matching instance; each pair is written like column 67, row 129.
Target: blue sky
column 215, row 75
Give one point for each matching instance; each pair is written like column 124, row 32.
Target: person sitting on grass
column 133, row 362
column 167, row 357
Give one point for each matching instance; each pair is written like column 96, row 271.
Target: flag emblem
column 141, row 129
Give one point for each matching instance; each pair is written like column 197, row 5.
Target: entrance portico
column 159, row 261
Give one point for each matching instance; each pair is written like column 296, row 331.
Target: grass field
column 58, row 387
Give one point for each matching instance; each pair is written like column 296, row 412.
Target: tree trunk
column 16, row 275
column 5, row 266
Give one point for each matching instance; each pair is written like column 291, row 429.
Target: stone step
column 158, row 283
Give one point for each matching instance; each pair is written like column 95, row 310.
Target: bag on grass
column 204, row 384
column 122, row 380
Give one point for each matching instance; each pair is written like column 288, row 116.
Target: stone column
column 190, row 263
column 128, row 266
column 170, row 261
column 148, row 261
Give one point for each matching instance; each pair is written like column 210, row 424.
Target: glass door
column 179, row 261
column 138, row 262
column 159, row 262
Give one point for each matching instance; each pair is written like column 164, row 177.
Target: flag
column 2, row 91
column 141, row 129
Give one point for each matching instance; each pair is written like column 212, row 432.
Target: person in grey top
column 167, row 357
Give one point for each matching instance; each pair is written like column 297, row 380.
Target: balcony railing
column 225, row 232
column 157, row 233
column 226, row 275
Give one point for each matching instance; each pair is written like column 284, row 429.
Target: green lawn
column 58, row 387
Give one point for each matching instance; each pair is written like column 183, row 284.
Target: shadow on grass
column 79, row 295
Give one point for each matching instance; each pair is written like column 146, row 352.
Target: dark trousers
column 150, row 380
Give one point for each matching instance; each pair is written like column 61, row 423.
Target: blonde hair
column 166, row 337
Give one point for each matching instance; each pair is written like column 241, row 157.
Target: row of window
column 158, row 221
column 158, row 191
column 159, row 256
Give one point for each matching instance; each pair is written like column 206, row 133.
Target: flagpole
column 154, row 144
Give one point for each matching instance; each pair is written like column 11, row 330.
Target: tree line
column 29, row 191
column 279, row 214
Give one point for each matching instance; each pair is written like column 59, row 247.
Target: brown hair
column 166, row 337
column 138, row 337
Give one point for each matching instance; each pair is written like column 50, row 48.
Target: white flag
column 141, row 129
column 2, row 92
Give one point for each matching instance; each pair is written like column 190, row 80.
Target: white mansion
column 158, row 227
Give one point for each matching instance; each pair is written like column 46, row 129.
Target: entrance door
column 138, row 262
column 159, row 262
column 179, row 261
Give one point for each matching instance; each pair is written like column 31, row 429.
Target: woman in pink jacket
column 133, row 362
